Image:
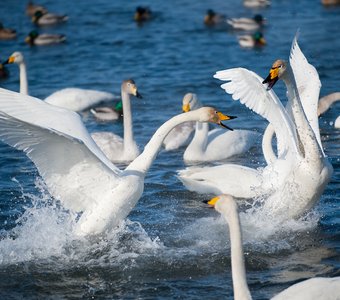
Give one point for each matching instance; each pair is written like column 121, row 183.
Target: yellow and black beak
column 10, row 60
column 222, row 117
column 212, row 201
column 272, row 78
column 186, row 107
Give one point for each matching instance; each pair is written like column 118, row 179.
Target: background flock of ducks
column 36, row 128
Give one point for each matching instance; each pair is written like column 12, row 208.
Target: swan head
column 210, row 114
column 130, row 87
column 224, row 204
column 16, row 57
column 190, row 102
column 276, row 72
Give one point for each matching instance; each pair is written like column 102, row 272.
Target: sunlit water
column 171, row 246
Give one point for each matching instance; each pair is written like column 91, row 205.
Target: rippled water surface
column 171, row 246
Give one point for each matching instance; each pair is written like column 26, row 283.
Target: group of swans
column 293, row 182
column 75, row 170
column 318, row 288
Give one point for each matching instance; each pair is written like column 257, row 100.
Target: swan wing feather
column 246, row 86
column 308, row 84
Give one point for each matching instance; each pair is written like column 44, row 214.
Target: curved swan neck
column 143, row 162
column 241, row 290
column 23, row 78
column 267, row 146
column 127, row 120
column 305, row 133
column 200, row 137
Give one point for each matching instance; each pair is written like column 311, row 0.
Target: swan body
column 77, row 99
column 294, row 182
column 246, row 23
column 7, row 33
column 106, row 113
column 74, row 169
column 44, row 19
column 311, row 289
column 44, row 39
column 251, row 40
column 32, row 8
column 119, row 149
column 216, row 144
column 71, row 98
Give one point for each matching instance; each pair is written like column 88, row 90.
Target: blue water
column 171, row 246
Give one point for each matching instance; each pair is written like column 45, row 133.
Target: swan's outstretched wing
column 308, row 84
column 246, row 86
column 59, row 145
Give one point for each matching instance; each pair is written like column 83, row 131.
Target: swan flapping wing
column 56, row 140
column 308, row 84
column 246, row 86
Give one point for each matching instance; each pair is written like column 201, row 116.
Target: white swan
column 296, row 180
column 216, row 144
column 181, row 135
column 312, row 289
column 309, row 107
column 71, row 98
column 119, row 149
column 74, row 169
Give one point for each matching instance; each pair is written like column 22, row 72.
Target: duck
column 217, row 144
column 119, row 149
column 256, row 3
column 248, row 24
column 295, row 181
column 43, row 39
column 142, row 14
column 317, row 288
column 75, row 99
column 32, row 8
column 107, row 113
column 7, row 33
column 212, row 18
column 76, row 172
column 182, row 134
column 45, row 19
column 251, row 40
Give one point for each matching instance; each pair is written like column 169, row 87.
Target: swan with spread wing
column 294, row 182
column 75, row 170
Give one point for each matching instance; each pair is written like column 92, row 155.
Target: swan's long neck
column 143, row 162
column 199, row 141
column 241, row 290
column 23, row 79
column 127, row 119
column 267, row 146
column 308, row 143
